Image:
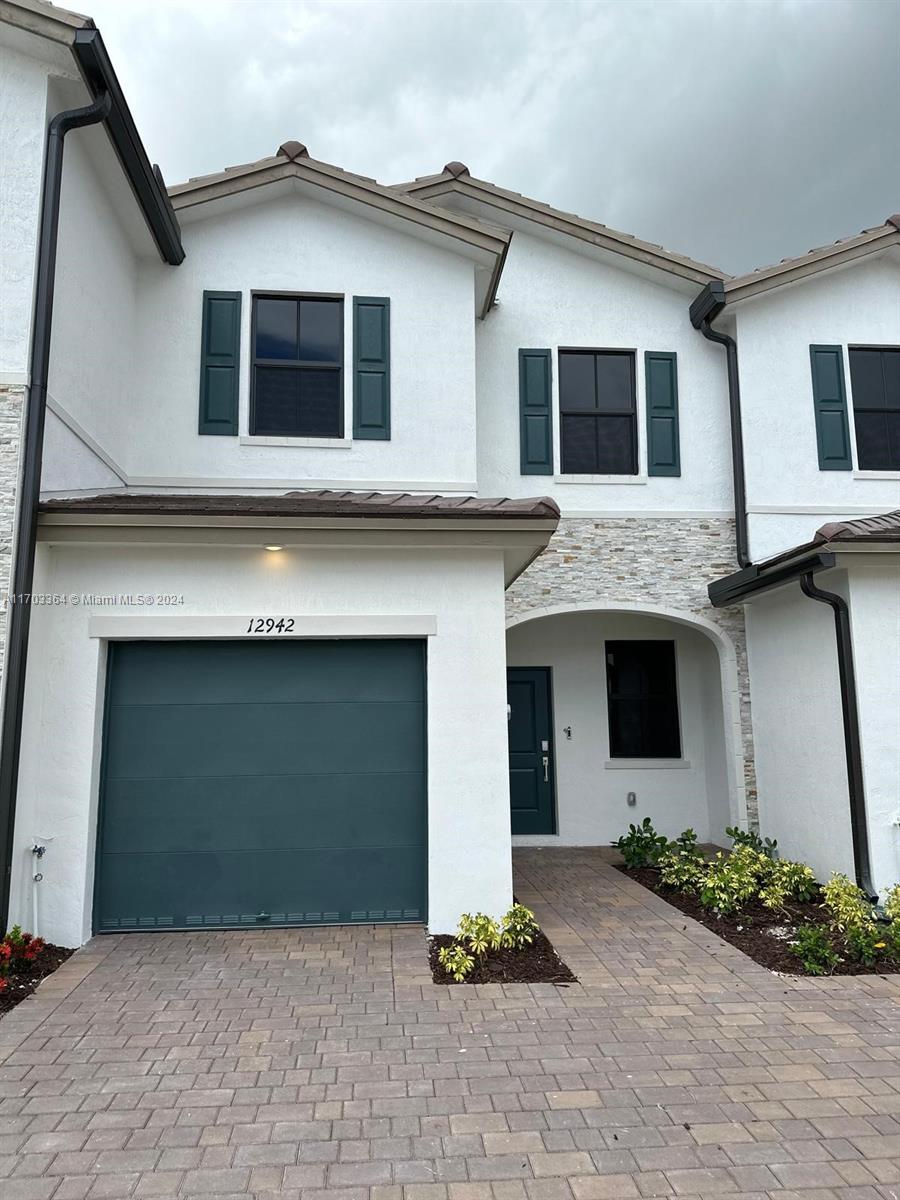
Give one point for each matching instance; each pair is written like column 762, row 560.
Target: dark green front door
column 257, row 783
column 530, row 750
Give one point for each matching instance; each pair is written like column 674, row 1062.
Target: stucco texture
column 657, row 566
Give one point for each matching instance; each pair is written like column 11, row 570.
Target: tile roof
column 884, row 528
column 321, row 503
column 457, row 178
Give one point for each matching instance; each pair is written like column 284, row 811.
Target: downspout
column 705, row 309
column 19, row 616
column 859, row 826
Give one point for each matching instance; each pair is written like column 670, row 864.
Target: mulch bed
column 22, row 983
column 752, row 929
column 537, row 963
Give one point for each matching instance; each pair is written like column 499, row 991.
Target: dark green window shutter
column 661, row 371
column 535, row 412
column 829, row 394
column 372, row 368
column 220, row 359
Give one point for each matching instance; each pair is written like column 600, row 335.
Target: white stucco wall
column 92, row 356
column 787, row 495
column 797, row 728
column 551, row 297
column 468, row 790
column 591, row 794
column 23, row 109
column 875, row 621
column 291, row 243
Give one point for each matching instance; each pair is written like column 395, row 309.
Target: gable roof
column 821, row 258
column 457, row 179
column 477, row 239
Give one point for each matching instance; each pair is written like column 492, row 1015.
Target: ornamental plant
column 641, row 846
column 733, row 879
column 746, row 837
column 786, row 880
column 17, row 951
column 848, row 906
column 812, row 945
column 479, row 933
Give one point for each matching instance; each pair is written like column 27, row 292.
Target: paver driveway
column 285, row 1062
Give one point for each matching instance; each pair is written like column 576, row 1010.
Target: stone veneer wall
column 11, row 402
column 651, row 561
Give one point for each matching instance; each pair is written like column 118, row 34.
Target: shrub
column 480, row 932
column 865, row 945
column 17, row 951
column 682, row 864
column 733, row 879
column 641, row 846
column 456, row 961
column 892, row 904
column 746, row 837
column 477, row 934
column 519, row 928
column 848, row 906
column 812, row 945
column 788, row 879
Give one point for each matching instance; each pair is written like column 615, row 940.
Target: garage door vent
column 136, row 922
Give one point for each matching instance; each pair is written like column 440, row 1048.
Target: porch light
column 273, row 547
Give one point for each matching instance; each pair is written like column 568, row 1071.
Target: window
column 298, row 361
column 598, row 426
column 875, row 377
column 643, row 700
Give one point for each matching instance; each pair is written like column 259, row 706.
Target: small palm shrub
column 479, row 933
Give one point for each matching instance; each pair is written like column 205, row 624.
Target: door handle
column 546, row 761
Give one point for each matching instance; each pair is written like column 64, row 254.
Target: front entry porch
column 618, row 715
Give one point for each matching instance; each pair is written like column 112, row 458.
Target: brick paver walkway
column 281, row 1063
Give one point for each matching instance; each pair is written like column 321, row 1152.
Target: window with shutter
column 875, row 381
column 597, row 412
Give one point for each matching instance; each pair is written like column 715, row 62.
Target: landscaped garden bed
column 772, row 909
column 24, row 962
column 513, row 950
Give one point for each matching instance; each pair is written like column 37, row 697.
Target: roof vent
column 293, row 151
column 894, row 220
column 456, row 169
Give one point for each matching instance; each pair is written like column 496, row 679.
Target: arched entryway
column 622, row 703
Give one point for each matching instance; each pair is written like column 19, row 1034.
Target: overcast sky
column 736, row 131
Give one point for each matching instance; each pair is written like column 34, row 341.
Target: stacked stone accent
column 11, row 405
column 651, row 561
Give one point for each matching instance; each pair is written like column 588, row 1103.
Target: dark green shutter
column 535, row 412
column 829, row 394
column 372, row 368
column 661, row 371
column 220, row 358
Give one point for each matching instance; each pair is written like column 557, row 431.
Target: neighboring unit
column 382, row 526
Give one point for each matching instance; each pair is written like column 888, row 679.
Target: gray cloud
column 736, row 131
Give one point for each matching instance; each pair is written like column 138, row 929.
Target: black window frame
column 664, row 750
column 871, row 408
column 298, row 364
column 597, row 413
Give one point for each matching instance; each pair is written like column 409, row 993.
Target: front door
column 530, row 750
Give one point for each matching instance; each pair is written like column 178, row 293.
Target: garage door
column 248, row 784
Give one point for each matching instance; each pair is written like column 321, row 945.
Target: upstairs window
column 298, row 364
column 875, row 378
column 643, row 700
column 598, row 421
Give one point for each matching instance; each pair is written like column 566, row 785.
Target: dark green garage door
column 262, row 783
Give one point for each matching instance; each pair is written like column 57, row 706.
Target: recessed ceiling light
column 274, row 547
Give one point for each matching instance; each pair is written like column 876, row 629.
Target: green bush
column 866, row 946
column 788, row 879
column 733, row 879
column 812, row 945
column 746, row 837
column 479, row 933
column 682, row 869
column 848, row 906
column 641, row 846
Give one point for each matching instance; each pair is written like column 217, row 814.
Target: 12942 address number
column 271, row 625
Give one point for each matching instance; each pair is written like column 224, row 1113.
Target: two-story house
column 378, row 527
